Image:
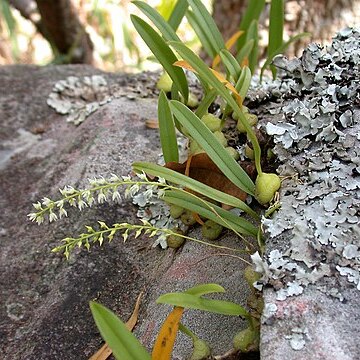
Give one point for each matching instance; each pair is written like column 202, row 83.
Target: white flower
column 46, row 201
column 62, row 212
column 81, row 204
column 142, row 176
column 116, row 196
column 101, row 198
column 37, row 206
column 52, row 216
column 32, row 216
column 114, row 178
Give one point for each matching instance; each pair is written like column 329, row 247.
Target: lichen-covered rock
column 313, row 244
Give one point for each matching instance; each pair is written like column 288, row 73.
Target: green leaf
column 205, row 103
column 242, row 86
column 204, row 39
column 252, row 34
column 204, row 289
column 197, row 186
column 163, row 53
column 244, row 81
column 211, row 212
column 122, row 342
column 189, row 301
column 276, row 28
column 231, row 64
column 178, row 13
column 167, row 130
column 206, row 28
column 252, row 12
column 280, row 50
column 245, row 51
column 200, row 132
column 204, row 71
column 164, row 27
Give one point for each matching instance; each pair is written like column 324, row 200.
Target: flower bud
column 164, row 83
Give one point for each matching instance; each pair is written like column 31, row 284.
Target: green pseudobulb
column 266, row 186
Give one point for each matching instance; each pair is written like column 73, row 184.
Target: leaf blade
column 122, row 342
column 197, row 186
column 199, row 303
column 211, row 212
column 166, row 338
column 166, row 30
column 212, row 147
column 212, row 80
column 208, row 26
column 168, row 139
column 178, row 13
column 163, row 53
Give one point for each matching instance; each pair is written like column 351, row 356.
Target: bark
column 64, row 30
column 322, row 18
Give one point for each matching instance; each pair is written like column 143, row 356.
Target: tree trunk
column 62, row 28
column 322, row 18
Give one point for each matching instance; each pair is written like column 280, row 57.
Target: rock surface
column 311, row 266
column 44, row 299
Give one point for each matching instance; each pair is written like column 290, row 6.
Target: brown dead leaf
column 203, row 169
column 104, row 352
column 152, row 123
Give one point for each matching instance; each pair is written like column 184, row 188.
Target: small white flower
column 37, row 206
column 52, row 216
column 46, row 201
column 126, row 178
column 161, row 180
column 40, row 219
column 114, row 178
column 81, row 204
column 62, row 212
column 32, row 216
column 142, row 176
column 60, row 203
column 101, row 198
column 116, row 196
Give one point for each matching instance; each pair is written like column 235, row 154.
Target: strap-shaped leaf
column 167, row 130
column 165, row 340
column 205, row 41
column 212, row 147
column 192, row 184
column 164, row 27
column 178, row 13
column 195, row 302
column 206, row 27
column 244, row 81
column 163, row 53
column 211, row 212
column 232, row 66
column 252, row 12
column 243, row 54
column 121, row 341
column 276, row 28
column 253, row 34
column 205, row 103
column 212, row 80
column 204, row 289
column 228, row 45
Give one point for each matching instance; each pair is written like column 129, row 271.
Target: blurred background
column 100, row 33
